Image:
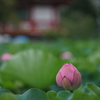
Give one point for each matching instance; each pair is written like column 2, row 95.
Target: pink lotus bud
column 68, row 77
column 6, row 56
column 66, row 55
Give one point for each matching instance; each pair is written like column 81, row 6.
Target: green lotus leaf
column 8, row 96
column 64, row 94
column 33, row 67
column 93, row 89
column 2, row 91
column 84, row 96
column 33, row 94
column 52, row 95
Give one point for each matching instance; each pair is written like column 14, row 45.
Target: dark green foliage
column 7, row 12
column 79, row 20
column 36, row 94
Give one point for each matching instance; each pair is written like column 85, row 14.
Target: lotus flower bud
column 69, row 77
column 66, row 55
column 6, row 56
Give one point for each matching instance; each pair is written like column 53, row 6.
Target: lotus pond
column 31, row 71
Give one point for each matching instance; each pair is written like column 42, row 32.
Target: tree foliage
column 84, row 6
column 7, row 12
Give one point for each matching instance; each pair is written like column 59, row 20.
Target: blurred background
column 38, row 36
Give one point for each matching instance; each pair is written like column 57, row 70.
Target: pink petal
column 66, row 84
column 59, row 79
column 77, row 80
column 73, row 66
column 68, row 71
column 6, row 56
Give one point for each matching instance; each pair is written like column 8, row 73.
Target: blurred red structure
column 37, row 16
